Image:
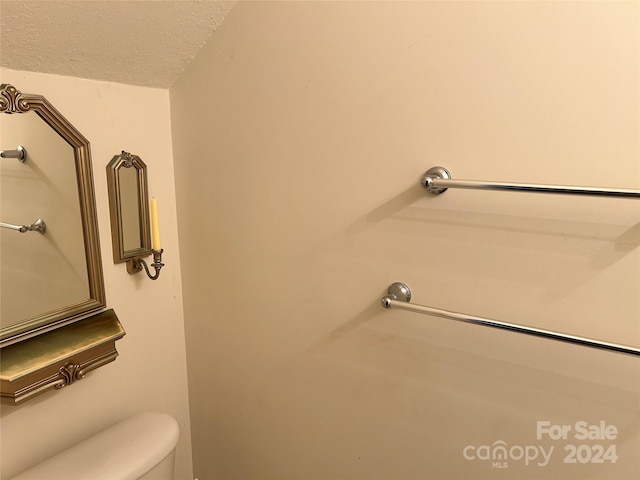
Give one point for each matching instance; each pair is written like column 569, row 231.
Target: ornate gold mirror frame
column 58, row 347
column 13, row 101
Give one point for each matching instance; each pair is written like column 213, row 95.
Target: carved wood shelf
column 58, row 358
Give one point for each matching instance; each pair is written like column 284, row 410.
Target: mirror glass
column 128, row 204
column 54, row 277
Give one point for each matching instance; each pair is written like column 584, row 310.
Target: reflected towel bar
column 20, row 153
column 37, row 226
column 399, row 296
column 438, row 179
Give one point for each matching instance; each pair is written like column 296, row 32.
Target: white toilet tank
column 141, row 447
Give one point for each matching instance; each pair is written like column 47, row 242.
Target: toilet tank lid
column 124, row 451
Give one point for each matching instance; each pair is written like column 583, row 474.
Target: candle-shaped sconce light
column 131, row 214
column 155, row 228
column 156, row 249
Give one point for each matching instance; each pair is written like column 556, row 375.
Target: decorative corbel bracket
column 58, row 358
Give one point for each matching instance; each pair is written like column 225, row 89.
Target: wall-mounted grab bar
column 399, row 296
column 20, row 153
column 438, row 179
column 37, row 226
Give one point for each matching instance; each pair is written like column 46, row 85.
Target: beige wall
column 150, row 373
column 300, row 134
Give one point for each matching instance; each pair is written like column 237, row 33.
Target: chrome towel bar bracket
column 20, row 153
column 38, row 226
column 399, row 295
column 438, row 179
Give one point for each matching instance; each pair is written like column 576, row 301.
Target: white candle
column 155, row 229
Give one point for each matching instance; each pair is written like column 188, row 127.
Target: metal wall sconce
column 129, row 208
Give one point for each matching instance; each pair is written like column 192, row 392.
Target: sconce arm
column 135, row 265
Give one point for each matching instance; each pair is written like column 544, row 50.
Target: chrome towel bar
column 438, row 179
column 37, row 226
column 399, row 296
column 20, row 153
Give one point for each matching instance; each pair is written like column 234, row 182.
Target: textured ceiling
column 138, row 42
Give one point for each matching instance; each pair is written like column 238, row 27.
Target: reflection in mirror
column 130, row 210
column 50, row 279
column 128, row 204
column 38, row 273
